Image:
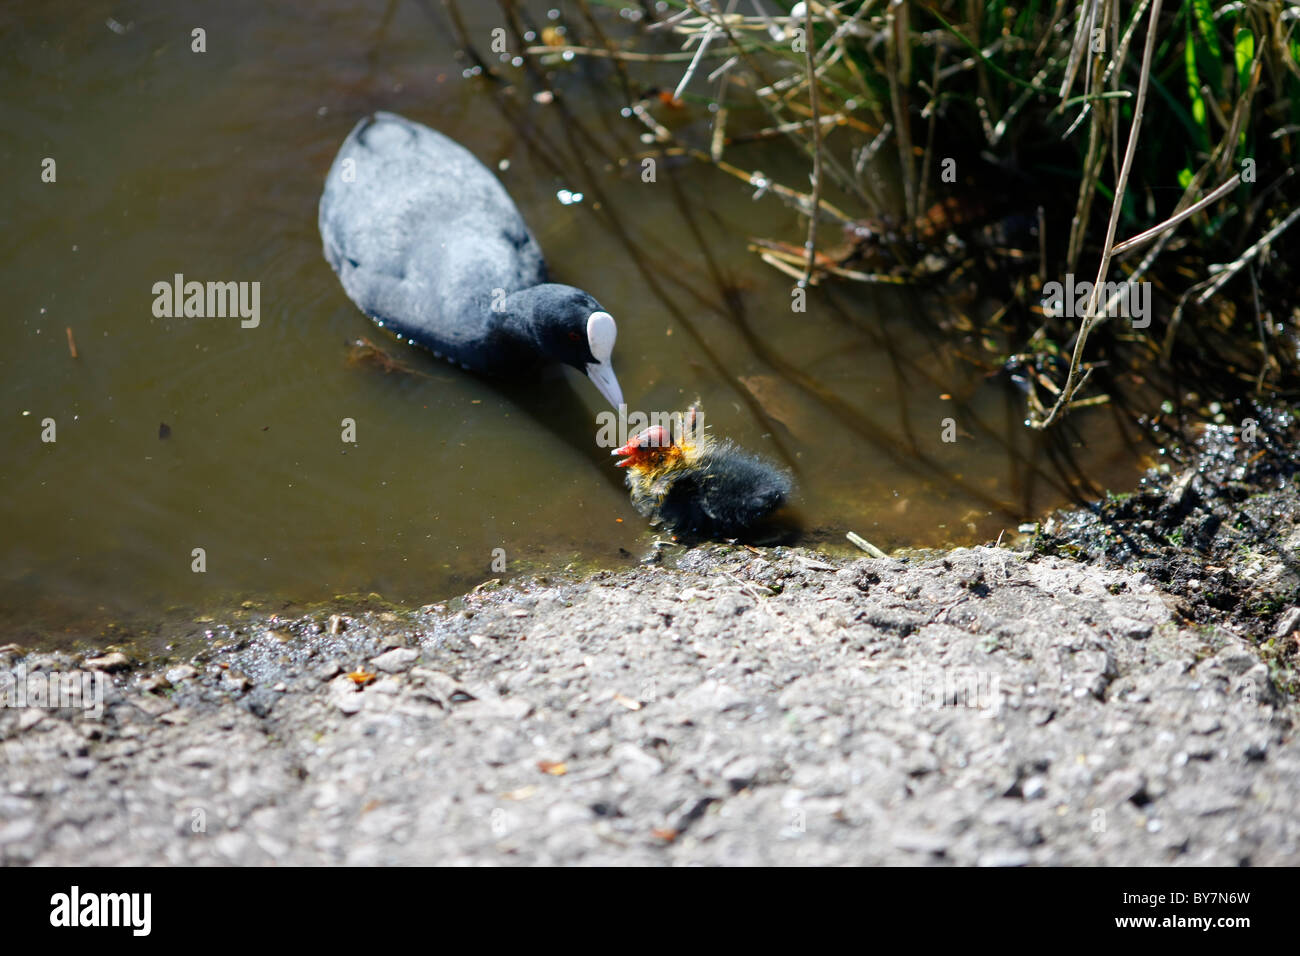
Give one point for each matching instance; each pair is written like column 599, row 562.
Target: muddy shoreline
column 1117, row 688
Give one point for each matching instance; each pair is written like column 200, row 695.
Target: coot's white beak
column 602, row 376
column 601, row 333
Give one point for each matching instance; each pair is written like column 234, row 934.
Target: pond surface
column 211, row 164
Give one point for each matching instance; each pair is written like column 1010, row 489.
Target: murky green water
column 211, row 165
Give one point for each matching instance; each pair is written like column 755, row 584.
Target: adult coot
column 428, row 244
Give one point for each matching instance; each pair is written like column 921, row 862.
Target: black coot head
column 571, row 327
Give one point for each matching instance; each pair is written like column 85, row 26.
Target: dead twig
column 1144, row 237
column 811, row 244
column 865, row 545
column 1089, row 316
column 1232, row 268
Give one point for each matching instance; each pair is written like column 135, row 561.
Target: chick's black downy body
column 696, row 486
column 726, row 492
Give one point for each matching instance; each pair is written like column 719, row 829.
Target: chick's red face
column 646, row 449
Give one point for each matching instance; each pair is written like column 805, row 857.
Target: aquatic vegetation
column 990, row 149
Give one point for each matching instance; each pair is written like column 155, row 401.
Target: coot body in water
column 695, row 485
column 427, row 243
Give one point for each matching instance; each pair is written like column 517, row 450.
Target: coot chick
column 694, row 485
column 427, row 243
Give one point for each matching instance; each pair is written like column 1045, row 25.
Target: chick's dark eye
column 575, row 337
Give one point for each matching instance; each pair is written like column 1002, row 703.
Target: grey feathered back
column 423, row 235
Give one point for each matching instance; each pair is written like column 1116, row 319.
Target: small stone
column 1205, row 724
column 741, row 772
column 1255, row 750
column 329, row 671
column 1034, row 788
column 1178, row 490
column 565, row 814
column 919, row 841
column 435, row 685
column 17, row 830
column 1236, row 660
column 155, row 684
column 109, row 663
column 153, row 706
column 1121, row 786
column 1131, row 628
column 1004, row 858
column 634, row 763
column 199, row 757
column 1093, row 685
column 234, row 680
column 182, row 673
column 1287, row 623
column 396, row 660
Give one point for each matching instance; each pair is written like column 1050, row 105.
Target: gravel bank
column 746, row 707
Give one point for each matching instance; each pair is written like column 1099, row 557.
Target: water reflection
column 211, row 165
